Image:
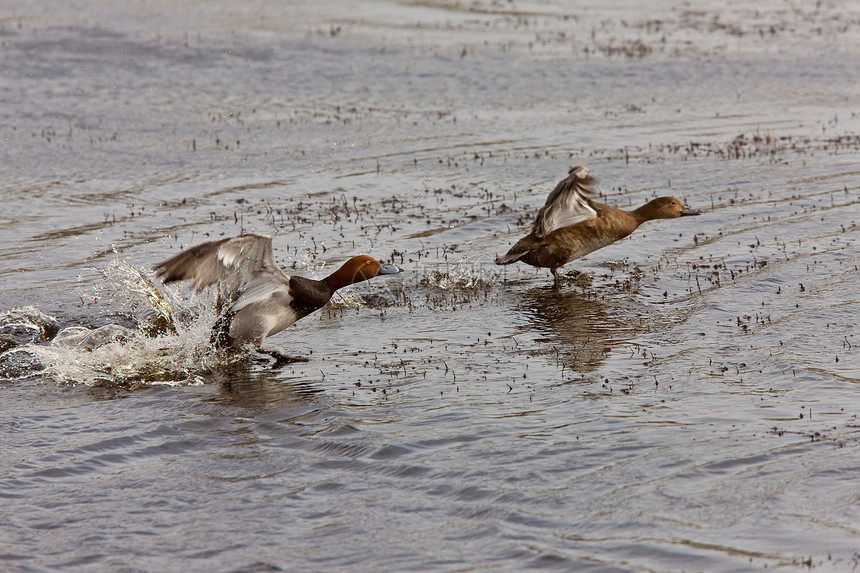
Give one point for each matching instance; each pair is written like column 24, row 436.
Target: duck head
column 358, row 269
column 665, row 208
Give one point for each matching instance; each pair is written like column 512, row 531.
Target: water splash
column 26, row 324
column 166, row 345
column 464, row 275
column 150, row 306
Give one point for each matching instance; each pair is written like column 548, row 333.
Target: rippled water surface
column 687, row 401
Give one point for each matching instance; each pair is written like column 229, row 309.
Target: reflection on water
column 580, row 327
column 256, row 386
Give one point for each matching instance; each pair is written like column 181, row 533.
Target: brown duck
column 256, row 299
column 570, row 225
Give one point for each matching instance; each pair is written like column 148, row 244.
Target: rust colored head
column 357, row 269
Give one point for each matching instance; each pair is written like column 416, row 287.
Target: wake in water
column 166, row 339
column 164, row 346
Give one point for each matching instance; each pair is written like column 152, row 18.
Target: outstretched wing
column 243, row 267
column 568, row 203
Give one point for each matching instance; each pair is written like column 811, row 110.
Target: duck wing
column 568, row 204
column 243, row 267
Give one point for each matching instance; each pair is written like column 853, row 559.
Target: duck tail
column 509, row 258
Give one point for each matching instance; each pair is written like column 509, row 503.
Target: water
column 688, row 402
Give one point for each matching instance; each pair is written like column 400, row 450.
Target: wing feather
column 243, row 267
column 568, row 204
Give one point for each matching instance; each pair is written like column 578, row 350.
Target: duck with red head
column 256, row 299
column 570, row 224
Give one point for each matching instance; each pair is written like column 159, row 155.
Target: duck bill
column 388, row 270
column 688, row 211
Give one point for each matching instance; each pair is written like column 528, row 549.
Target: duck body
column 256, row 299
column 251, row 321
column 574, row 241
column 571, row 225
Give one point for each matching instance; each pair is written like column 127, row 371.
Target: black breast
column 308, row 295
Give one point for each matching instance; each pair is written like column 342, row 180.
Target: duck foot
column 280, row 358
column 578, row 278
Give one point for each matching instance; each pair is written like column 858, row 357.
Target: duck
column 571, row 224
column 257, row 299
